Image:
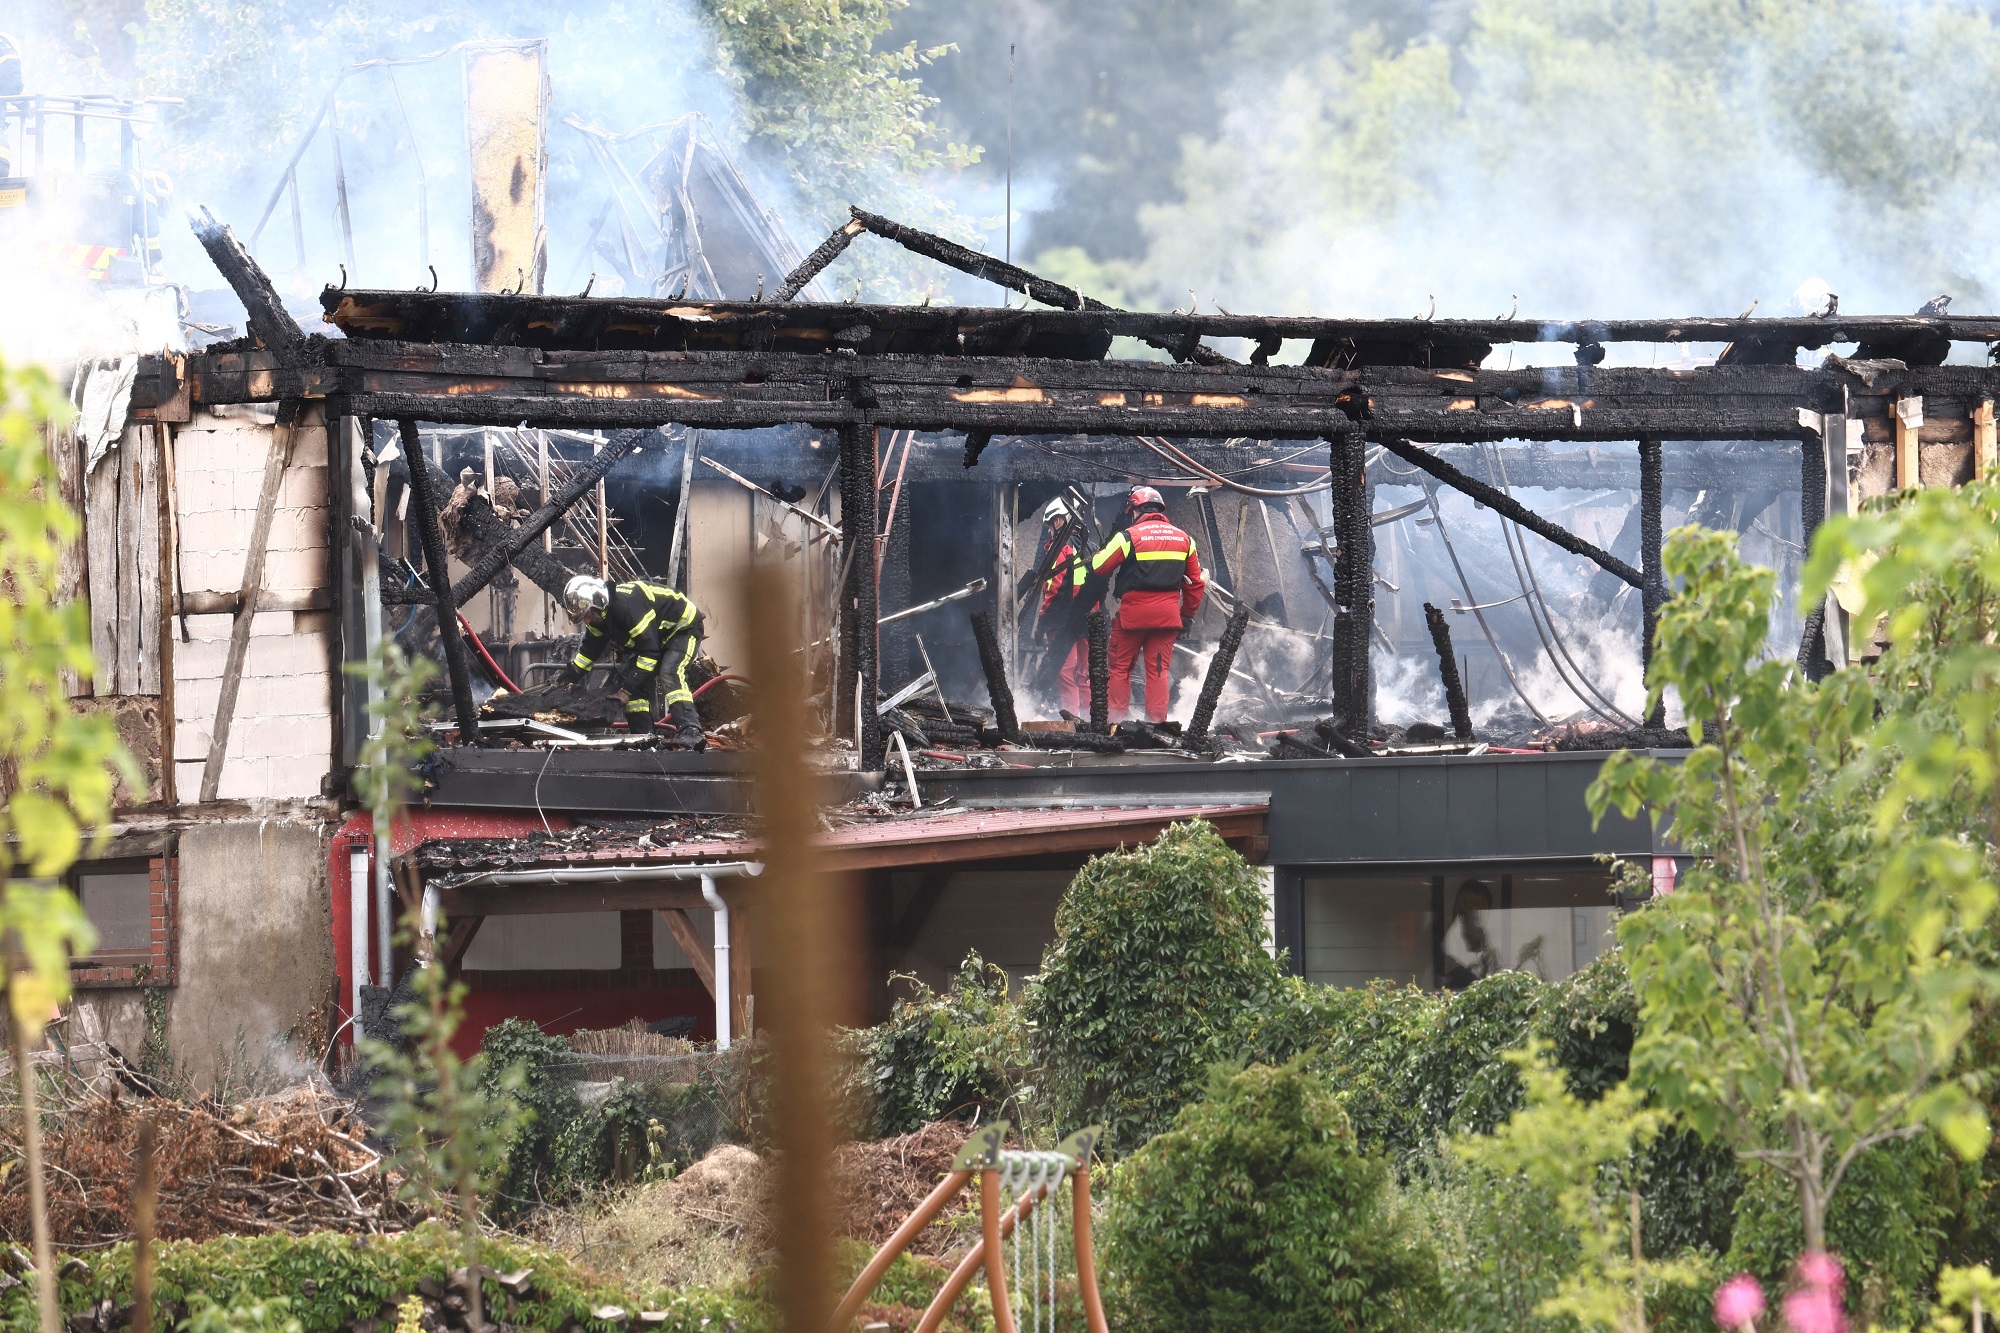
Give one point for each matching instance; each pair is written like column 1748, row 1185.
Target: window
column 130, row 904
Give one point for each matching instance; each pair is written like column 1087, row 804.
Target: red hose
column 485, row 656
column 717, row 680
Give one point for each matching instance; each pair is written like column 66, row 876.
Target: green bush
column 334, row 1280
column 1258, row 1209
column 1887, row 1224
column 1501, row 1246
column 1157, row 965
column 942, row 1053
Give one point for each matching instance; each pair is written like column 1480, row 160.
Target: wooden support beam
column 451, row 952
column 681, row 927
column 275, row 467
column 1983, row 440
column 858, row 662
column 825, row 253
column 1909, row 413
column 1652, row 498
column 437, row 569
column 1353, row 579
column 270, row 323
column 1508, row 507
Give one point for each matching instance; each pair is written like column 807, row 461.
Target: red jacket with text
column 1159, row 580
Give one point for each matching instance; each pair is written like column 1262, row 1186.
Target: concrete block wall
column 281, row 737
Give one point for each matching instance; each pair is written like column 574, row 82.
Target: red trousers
column 1153, row 647
column 1073, row 686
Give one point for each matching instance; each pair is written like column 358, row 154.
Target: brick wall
column 280, row 739
column 162, row 967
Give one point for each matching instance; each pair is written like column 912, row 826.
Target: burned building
column 431, row 469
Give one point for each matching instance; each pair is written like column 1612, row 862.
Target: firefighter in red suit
column 1060, row 555
column 1160, row 587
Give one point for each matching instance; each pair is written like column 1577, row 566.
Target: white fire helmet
column 1056, row 511
column 585, row 596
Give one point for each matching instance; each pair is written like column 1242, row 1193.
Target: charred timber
column 1652, row 501
column 813, row 264
column 502, row 553
column 270, row 323
column 423, row 505
column 1508, row 507
column 1454, row 687
column 1218, row 676
column 858, row 635
column 1100, row 672
column 1005, row 720
column 1353, row 574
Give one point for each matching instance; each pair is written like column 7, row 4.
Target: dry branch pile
column 294, row 1162
column 879, row 1184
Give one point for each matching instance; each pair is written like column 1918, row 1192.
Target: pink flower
column 1820, row 1270
column 1814, row 1309
column 1738, row 1303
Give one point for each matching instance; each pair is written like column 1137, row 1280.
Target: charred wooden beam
column 1005, row 720
column 1508, row 507
column 423, row 505
column 270, row 323
column 1218, row 676
column 1183, row 345
column 1814, row 663
column 856, row 685
column 1353, row 577
column 503, row 552
column 1100, row 672
column 1454, row 687
column 813, row 264
column 1652, row 498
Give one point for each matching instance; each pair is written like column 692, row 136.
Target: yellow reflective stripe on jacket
column 640, row 628
column 645, row 663
column 1162, row 555
column 581, row 663
column 1119, row 543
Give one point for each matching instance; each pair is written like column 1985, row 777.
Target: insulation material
column 506, row 130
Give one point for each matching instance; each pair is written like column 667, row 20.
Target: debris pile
column 295, row 1162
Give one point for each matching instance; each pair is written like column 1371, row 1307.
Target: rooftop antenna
column 1009, row 254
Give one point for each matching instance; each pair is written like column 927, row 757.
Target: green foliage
column 1807, row 992
column 331, row 1281
column 272, row 1316
column 543, row 1163
column 1257, row 1209
column 388, row 772
column 1587, row 1019
column 1157, row 965
column 943, row 1053
column 1501, row 1245
column 1584, row 1156
column 1886, row 1225
column 58, row 768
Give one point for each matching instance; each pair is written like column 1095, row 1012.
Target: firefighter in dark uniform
column 660, row 628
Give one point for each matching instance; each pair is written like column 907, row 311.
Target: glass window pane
column 120, row 907
column 1360, row 929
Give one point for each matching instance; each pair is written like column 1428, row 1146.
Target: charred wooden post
column 1454, row 688
column 1218, row 676
column 502, row 553
column 1652, row 496
column 990, row 662
column 858, row 637
column 1508, row 507
column 270, row 323
column 1353, row 577
column 437, row 569
column 813, row 264
column 898, row 650
column 975, row 445
column 1100, row 673
column 1813, row 661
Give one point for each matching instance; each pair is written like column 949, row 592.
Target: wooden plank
column 268, row 599
column 452, row 951
column 163, row 605
column 71, row 559
column 681, row 927
column 543, row 900
column 1909, row 431
column 100, row 526
column 147, row 568
column 132, row 498
column 1983, row 434
column 280, row 459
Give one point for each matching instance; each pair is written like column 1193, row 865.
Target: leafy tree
column 451, row 1123
column 940, row 1053
column 1257, row 1209
column 1157, row 963
column 58, row 768
column 1805, row 995
column 1586, row 1157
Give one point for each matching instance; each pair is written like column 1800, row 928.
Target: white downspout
column 357, row 924
column 723, row 977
